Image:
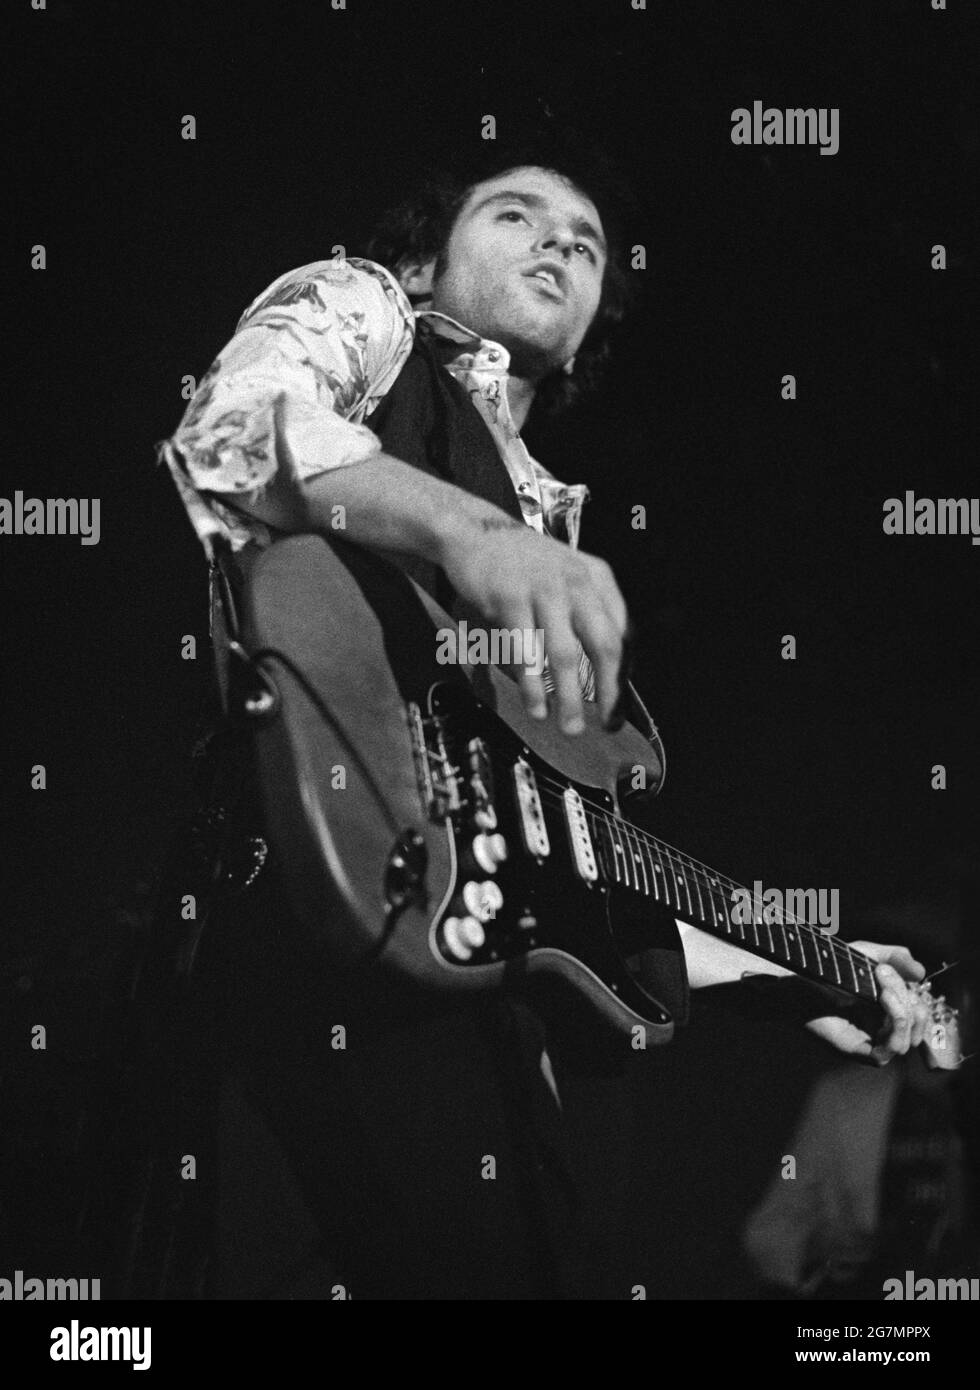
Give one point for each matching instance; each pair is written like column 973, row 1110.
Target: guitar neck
column 639, row 862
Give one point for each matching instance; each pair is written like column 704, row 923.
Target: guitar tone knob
column 471, row 931
column 454, row 938
column 493, row 895
column 489, row 851
column 482, row 900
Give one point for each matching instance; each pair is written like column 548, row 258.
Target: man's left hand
column 907, row 1014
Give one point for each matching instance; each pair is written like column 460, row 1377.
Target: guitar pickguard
column 526, row 885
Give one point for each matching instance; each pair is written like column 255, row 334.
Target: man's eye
column 512, row 212
column 584, row 246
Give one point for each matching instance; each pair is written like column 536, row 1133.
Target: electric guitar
column 427, row 826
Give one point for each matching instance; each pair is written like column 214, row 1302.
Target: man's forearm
column 387, row 504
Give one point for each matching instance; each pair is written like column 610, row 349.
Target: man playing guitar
column 511, row 283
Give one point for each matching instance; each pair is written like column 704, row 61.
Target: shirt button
column 493, row 356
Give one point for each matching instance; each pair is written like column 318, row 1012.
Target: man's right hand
column 511, row 574
column 518, row 578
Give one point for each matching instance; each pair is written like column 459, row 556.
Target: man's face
column 524, row 266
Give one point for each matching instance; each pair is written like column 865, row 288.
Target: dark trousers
column 369, row 1146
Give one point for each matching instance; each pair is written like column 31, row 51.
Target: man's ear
column 416, row 278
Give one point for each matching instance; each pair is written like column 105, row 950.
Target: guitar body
column 355, row 760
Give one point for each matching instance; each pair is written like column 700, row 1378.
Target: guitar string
column 673, row 852
column 850, row 953
column 857, row 960
column 936, row 1007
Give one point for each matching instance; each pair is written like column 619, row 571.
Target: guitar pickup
column 480, row 786
column 579, row 839
column 530, row 812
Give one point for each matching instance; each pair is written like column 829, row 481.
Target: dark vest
column 428, row 420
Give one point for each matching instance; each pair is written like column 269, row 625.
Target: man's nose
column 556, row 239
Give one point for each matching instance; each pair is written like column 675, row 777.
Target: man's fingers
column 603, row 645
column 562, row 651
column 528, row 673
column 921, row 1020
column 609, row 593
column 612, row 655
column 900, row 958
column 896, row 1002
column 533, row 693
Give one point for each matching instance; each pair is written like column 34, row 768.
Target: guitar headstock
column 942, row 1045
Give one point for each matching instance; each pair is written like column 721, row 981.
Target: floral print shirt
column 326, row 342
column 331, row 338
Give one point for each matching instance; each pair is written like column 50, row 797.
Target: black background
column 764, row 516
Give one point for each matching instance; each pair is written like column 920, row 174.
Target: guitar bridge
column 437, row 776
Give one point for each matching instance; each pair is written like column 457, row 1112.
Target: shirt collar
column 452, row 331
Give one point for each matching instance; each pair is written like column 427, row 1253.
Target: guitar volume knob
column 454, row 938
column 482, row 900
column 472, row 932
column 489, row 851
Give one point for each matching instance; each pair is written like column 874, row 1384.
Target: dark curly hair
column 418, row 229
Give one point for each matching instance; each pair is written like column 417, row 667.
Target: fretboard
column 639, row 862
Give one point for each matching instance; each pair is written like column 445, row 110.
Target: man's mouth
column 553, row 277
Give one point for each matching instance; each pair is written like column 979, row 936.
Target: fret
column 827, row 962
column 647, row 851
column 660, row 872
column 738, row 929
column 751, row 929
column 766, row 925
column 841, row 954
column 794, row 947
column 641, row 851
column 849, row 967
column 682, row 879
column 780, row 944
column 649, row 845
column 719, row 905
column 614, row 857
column 620, row 859
column 639, row 867
column 810, row 956
column 702, row 915
column 623, row 854
column 863, row 970
column 600, row 835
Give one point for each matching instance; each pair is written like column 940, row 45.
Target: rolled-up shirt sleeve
column 329, row 339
